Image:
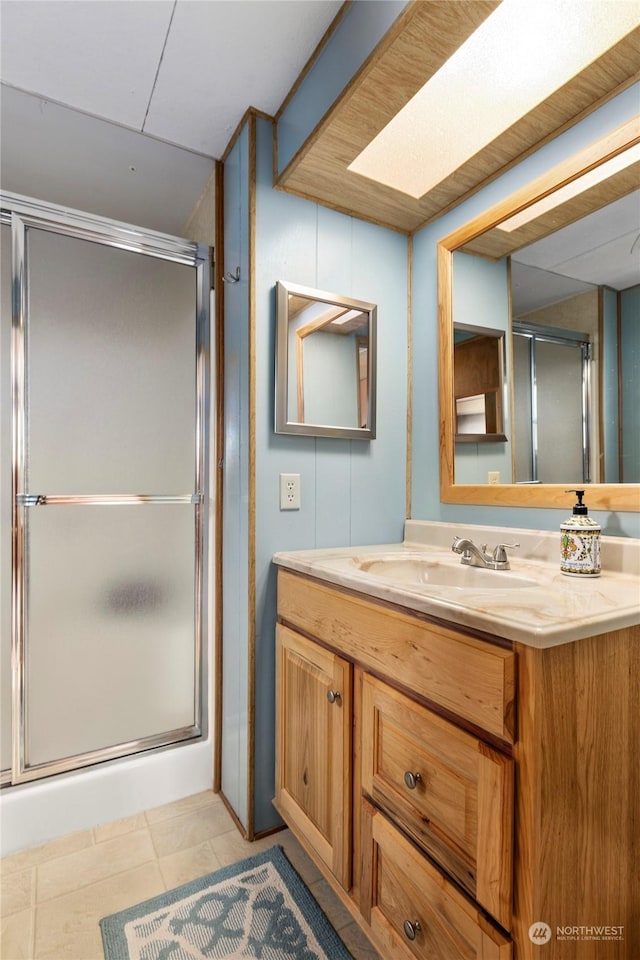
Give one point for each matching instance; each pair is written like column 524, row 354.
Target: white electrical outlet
column 289, row 491
column 493, row 476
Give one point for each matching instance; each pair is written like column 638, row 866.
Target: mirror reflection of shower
column 552, row 404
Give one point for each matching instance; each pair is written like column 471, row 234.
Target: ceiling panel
column 62, row 156
column 100, row 57
column 593, row 232
column 533, row 288
column 223, row 57
column 614, row 264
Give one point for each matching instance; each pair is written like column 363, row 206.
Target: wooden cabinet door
column 313, row 760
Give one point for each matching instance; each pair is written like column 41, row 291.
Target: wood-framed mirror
column 553, row 202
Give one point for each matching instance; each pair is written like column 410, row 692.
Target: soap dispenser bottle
column 580, row 542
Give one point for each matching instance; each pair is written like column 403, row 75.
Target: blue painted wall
column 360, row 30
column 630, row 375
column 352, row 491
column 235, row 607
column 425, row 466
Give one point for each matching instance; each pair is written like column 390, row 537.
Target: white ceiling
column 172, row 80
column 601, row 249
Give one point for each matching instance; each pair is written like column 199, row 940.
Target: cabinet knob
column 411, row 927
column 412, row 779
column 333, row 696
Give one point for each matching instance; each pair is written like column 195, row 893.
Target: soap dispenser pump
column 580, row 542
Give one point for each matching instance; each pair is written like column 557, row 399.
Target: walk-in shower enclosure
column 104, row 382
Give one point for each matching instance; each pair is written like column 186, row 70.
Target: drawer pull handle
column 333, row 696
column 411, row 928
column 412, row 779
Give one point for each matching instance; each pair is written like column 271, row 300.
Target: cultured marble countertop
column 554, row 609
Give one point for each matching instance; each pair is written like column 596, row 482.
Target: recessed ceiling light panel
column 523, row 52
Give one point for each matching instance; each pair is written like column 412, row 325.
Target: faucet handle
column 500, row 553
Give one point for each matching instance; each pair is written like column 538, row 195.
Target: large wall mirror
column 325, row 364
column 556, row 267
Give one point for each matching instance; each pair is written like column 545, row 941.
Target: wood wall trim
column 424, row 35
column 252, row 481
column 234, row 816
column 246, row 116
column 600, row 466
column 219, row 475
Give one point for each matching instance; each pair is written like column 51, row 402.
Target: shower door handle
column 104, row 500
column 31, row 499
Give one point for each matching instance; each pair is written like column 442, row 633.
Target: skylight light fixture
column 573, row 189
column 346, row 317
column 521, row 54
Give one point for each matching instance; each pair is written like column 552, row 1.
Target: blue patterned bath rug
column 257, row 909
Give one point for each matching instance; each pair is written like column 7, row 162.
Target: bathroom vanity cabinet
column 456, row 788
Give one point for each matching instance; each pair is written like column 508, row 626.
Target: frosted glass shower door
column 110, row 508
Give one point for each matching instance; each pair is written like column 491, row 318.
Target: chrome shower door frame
column 26, row 213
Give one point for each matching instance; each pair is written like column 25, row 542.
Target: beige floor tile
column 76, row 870
column 299, row 859
column 357, row 944
column 181, row 807
column 67, row 927
column 230, row 847
column 188, row 864
column 179, row 833
column 16, row 936
column 16, row 891
column 48, row 851
column 119, row 827
column 331, row 904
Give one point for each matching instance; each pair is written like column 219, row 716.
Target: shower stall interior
column 104, row 481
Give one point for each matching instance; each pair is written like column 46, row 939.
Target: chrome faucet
column 475, row 556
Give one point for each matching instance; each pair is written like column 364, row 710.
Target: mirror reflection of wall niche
column 478, row 385
column 325, row 383
column 471, row 414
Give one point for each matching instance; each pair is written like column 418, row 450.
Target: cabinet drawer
column 457, row 798
column 413, row 910
column 470, row 678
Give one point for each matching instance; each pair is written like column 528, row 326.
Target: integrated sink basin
column 419, row 570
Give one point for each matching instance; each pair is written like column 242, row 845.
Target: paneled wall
column 352, row 491
column 235, row 525
column 425, row 444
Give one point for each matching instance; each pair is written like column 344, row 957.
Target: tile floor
column 51, row 897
